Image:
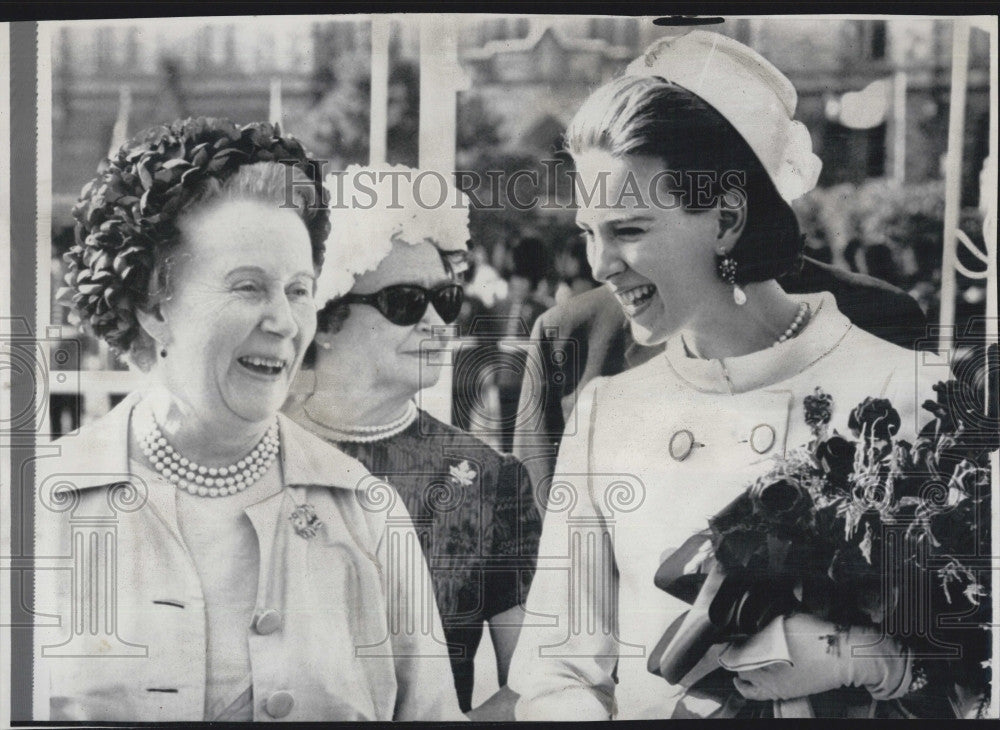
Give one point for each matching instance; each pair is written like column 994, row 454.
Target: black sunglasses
column 406, row 304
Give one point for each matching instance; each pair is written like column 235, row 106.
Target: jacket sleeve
column 539, row 411
column 563, row 668
column 425, row 687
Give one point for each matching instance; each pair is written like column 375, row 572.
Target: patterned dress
column 474, row 510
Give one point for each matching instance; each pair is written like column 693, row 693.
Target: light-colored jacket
column 620, row 504
column 343, row 629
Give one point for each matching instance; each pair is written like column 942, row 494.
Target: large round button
column 279, row 704
column 267, row 622
column 681, row 445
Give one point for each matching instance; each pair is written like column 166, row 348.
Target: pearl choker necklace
column 801, row 317
column 209, row 481
column 367, row 434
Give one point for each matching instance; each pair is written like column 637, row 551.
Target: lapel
column 97, row 456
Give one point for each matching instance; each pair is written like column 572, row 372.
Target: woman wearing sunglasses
column 384, row 305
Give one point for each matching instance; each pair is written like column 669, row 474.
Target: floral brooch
column 305, row 521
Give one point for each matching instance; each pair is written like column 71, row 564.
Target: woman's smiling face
column 240, row 311
column 659, row 260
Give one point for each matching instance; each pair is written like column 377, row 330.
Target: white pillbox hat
column 746, row 88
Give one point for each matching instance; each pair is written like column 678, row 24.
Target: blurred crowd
column 893, row 232
column 506, row 291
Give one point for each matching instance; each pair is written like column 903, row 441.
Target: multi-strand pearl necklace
column 801, row 317
column 367, row 434
column 209, row 481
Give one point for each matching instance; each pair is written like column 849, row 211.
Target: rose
column 836, row 456
column 960, row 529
column 876, row 418
column 780, row 499
column 959, row 409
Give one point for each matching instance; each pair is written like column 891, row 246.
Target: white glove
column 822, row 659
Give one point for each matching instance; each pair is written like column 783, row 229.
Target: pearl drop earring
column 726, row 267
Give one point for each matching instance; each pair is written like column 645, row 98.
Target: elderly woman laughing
column 243, row 576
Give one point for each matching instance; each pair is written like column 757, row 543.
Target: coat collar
column 98, row 454
column 761, row 369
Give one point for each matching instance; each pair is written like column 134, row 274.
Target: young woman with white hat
column 686, row 166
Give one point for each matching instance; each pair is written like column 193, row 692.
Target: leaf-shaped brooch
column 462, row 474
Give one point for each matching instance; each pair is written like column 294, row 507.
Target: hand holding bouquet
column 870, row 532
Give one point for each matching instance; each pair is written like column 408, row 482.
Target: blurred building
column 535, row 71
column 532, row 71
column 180, row 67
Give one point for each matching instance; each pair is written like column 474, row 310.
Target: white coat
column 620, row 504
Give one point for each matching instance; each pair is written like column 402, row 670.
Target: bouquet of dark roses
column 862, row 529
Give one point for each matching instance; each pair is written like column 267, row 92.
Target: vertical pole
column 953, row 179
column 438, row 87
column 119, row 133
column 274, row 107
column 43, row 232
column 988, row 201
column 378, row 130
column 440, row 80
column 6, row 382
column 899, row 127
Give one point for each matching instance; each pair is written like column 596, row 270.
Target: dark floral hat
column 131, row 208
